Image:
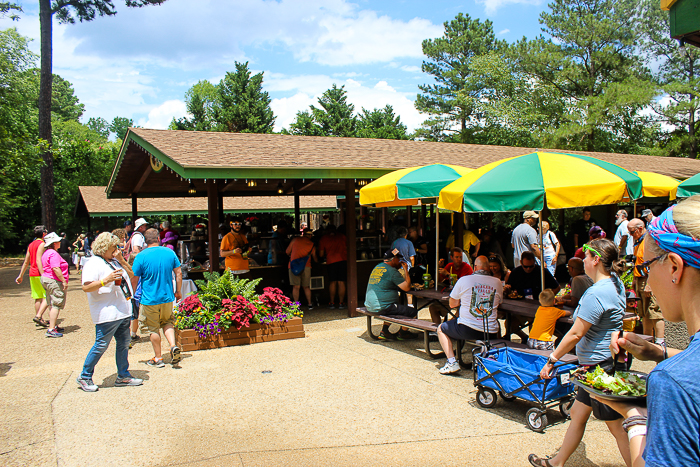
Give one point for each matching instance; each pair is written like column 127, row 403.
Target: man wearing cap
column 648, row 216
column 648, row 310
column 524, row 237
column 30, row 260
column 622, row 239
column 234, row 248
column 128, row 229
column 383, row 287
column 137, row 242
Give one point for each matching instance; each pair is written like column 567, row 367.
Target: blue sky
column 139, row 63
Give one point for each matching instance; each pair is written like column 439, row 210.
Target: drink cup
column 118, row 281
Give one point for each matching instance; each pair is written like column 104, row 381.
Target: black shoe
column 387, row 336
column 406, row 335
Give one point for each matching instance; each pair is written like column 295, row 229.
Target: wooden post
column 88, row 228
column 421, row 220
column 213, row 212
column 297, row 211
column 409, row 211
column 350, row 228
column 221, row 209
column 134, row 209
column 362, row 217
column 459, row 231
column 385, row 218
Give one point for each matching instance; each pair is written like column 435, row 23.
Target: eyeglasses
column 528, row 267
column 593, row 251
column 643, row 269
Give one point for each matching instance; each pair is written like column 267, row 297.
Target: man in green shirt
column 383, row 288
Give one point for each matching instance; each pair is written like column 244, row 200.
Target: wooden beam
column 297, row 211
column 213, row 212
column 147, row 171
column 350, row 228
column 134, row 210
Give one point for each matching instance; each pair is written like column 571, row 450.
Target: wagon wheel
column 565, row 407
column 506, row 397
column 486, row 397
column 536, row 420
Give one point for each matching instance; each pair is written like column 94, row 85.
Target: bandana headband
column 664, row 231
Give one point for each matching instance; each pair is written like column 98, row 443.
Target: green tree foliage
column 304, row 125
column 590, row 59
column 64, row 104
column 380, row 123
column 99, row 125
column 678, row 74
column 120, row 125
column 241, row 106
column 452, row 102
column 8, row 9
column 200, row 100
column 333, row 117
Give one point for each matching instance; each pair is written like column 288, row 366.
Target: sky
column 139, row 63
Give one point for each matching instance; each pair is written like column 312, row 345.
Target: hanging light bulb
column 362, row 182
column 192, row 190
column 252, row 183
column 280, row 188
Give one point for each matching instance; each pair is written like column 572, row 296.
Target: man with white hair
column 648, row 216
column 623, row 240
column 525, row 238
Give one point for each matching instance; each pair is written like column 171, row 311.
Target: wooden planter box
column 189, row 340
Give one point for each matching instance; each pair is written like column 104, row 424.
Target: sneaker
column 175, row 354
column 59, row 329
column 331, row 306
column 387, row 336
column 87, row 385
column 158, row 363
column 53, row 333
column 311, row 307
column 129, row 381
column 450, row 368
column 405, row 335
column 342, row 306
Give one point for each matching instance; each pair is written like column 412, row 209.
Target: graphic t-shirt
column 603, row 306
column 383, row 287
column 335, row 247
column 51, row 259
column 154, row 266
column 479, row 295
column 107, row 303
column 545, row 320
column 230, row 242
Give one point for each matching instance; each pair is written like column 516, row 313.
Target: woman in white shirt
column 551, row 247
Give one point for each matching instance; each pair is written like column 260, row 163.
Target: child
column 542, row 329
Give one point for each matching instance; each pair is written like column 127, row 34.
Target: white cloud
column 492, row 6
column 505, row 31
column 160, row 117
column 411, row 69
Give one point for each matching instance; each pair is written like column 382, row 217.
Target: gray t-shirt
column 579, row 285
column 523, row 237
column 602, row 305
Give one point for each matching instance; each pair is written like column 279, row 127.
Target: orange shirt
column 639, row 257
column 335, row 247
column 545, row 320
column 231, row 241
column 300, row 247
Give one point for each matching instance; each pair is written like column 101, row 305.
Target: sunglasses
column 643, row 268
column 528, row 267
column 593, row 251
column 236, row 223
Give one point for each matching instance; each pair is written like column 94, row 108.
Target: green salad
column 622, row 384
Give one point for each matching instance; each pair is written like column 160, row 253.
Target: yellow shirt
column 469, row 239
column 545, row 320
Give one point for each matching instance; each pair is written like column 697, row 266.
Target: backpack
column 129, row 249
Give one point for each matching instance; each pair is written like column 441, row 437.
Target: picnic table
column 431, row 296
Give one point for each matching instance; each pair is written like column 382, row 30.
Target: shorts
column 55, row 295
column 647, row 306
column 400, row 310
column 601, row 411
column 463, row 332
column 303, row 279
column 338, row 271
column 80, row 253
column 38, row 291
column 155, row 317
column 540, row 345
column 134, row 309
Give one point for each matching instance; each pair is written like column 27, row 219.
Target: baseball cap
column 646, row 212
column 530, row 214
column 139, row 222
column 391, row 254
column 127, row 223
column 51, row 239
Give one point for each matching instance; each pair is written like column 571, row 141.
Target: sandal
column 41, row 322
column 539, row 461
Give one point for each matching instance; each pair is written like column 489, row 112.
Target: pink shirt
column 51, row 259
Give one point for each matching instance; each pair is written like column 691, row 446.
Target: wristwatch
column 552, row 360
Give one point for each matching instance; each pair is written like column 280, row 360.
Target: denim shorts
column 134, row 309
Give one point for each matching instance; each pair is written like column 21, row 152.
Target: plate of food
column 628, row 386
column 514, row 295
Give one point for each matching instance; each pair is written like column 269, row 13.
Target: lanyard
column 125, row 290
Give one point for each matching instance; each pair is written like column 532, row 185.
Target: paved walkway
column 334, row 398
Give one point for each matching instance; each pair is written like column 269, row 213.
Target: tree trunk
column 691, row 113
column 48, row 210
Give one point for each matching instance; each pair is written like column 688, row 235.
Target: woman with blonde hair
column 667, row 432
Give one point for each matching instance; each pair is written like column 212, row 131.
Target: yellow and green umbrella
column 526, row 182
column 689, row 187
column 658, row 186
column 411, row 183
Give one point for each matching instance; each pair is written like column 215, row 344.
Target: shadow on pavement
column 5, row 367
column 109, row 381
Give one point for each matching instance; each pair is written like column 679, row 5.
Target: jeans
column 548, row 258
column 103, row 335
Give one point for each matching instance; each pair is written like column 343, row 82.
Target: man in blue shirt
column 155, row 267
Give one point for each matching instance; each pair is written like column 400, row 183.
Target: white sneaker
column 450, row 368
column 87, row 385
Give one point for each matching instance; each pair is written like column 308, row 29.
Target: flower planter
column 189, row 340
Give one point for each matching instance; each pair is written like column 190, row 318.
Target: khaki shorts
column 55, row 295
column 647, row 306
column 303, row 279
column 38, row 291
column 154, row 317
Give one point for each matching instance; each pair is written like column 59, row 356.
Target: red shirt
column 465, row 270
column 335, row 247
column 33, row 268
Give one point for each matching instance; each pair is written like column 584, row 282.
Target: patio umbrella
column 689, row 187
column 658, row 186
column 404, row 187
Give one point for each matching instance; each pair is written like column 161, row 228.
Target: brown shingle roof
column 192, row 149
column 97, row 204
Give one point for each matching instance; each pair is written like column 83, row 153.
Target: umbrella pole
column 542, row 265
column 437, row 245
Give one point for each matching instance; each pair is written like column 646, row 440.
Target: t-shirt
column 579, row 285
column 63, row 247
column 464, row 270
column 623, row 232
column 582, row 227
column 405, row 246
column 673, row 404
column 335, row 247
column 138, row 241
column 300, row 247
column 603, row 305
column 51, row 259
column 478, row 294
column 469, row 239
column 523, row 281
column 523, row 236
column 383, row 287
column 107, row 303
column 33, row 247
column 549, row 242
column 638, row 254
column 154, row 266
column 231, row 241
column 545, row 319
